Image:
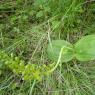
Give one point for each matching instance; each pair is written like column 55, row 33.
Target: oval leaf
column 85, row 48
column 55, row 47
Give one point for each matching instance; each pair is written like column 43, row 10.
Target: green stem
column 59, row 60
column 31, row 89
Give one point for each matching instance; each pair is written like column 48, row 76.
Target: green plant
column 28, row 71
column 58, row 50
column 83, row 50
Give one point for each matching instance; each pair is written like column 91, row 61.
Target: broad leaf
column 55, row 47
column 85, row 48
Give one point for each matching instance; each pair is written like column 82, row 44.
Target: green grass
column 27, row 26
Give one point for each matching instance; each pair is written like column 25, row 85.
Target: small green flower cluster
column 27, row 71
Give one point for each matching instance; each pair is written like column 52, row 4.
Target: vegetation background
column 26, row 26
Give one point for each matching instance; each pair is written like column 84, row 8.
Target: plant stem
column 59, row 60
column 31, row 89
